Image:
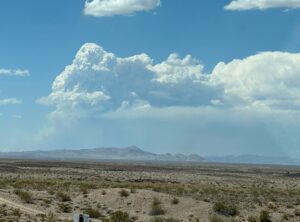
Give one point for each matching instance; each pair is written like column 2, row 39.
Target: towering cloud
column 118, row 7
column 101, row 95
column 261, row 4
column 98, row 81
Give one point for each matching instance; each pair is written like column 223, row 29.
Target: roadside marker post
column 81, row 217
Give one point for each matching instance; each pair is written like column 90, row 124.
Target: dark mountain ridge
column 108, row 153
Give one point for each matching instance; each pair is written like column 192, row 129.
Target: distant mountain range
column 131, row 153
column 134, row 153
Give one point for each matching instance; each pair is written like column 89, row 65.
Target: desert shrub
column 63, row 197
column 65, row 208
column 156, row 208
column 252, row 219
column 264, row 216
column 47, row 201
column 297, row 212
column 285, row 217
column 160, row 219
column 42, row 216
column 225, row 209
column 50, row 217
column 94, row 213
column 215, row 218
column 84, row 190
column 24, row 196
column 175, row 201
column 51, row 191
column 124, row 193
column 3, row 212
column 272, row 206
column 119, row 216
column 17, row 213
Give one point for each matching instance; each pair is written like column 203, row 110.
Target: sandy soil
column 57, row 187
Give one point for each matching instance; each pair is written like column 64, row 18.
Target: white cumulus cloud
column 261, row 4
column 14, row 72
column 99, row 81
column 268, row 79
column 118, row 7
column 10, row 101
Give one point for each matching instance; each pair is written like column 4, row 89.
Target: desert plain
column 148, row 191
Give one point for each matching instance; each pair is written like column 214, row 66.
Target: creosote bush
column 156, row 208
column 119, row 216
column 65, row 208
column 215, row 218
column 225, row 209
column 24, row 196
column 252, row 219
column 175, row 201
column 94, row 213
column 160, row 219
column 63, row 197
column 50, row 217
column 124, row 193
column 264, row 216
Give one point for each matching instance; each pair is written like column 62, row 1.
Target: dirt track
column 20, row 206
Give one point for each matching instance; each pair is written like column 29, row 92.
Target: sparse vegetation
column 55, row 191
column 252, row 219
column 160, row 219
column 63, row 197
column 17, row 213
column 94, row 213
column 124, row 193
column 264, row 216
column 25, row 196
column 215, row 218
column 175, row 201
column 65, row 208
column 156, row 208
column 225, row 209
column 120, row 216
column 50, row 217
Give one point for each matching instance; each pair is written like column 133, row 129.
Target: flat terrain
column 111, row 191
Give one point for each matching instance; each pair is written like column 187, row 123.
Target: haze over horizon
column 213, row 78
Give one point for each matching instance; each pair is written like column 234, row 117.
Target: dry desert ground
column 150, row 192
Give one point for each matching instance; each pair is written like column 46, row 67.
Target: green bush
column 93, row 213
column 156, row 208
column 124, row 193
column 175, row 201
column 225, row 209
column 51, row 217
column 160, row 219
column 264, row 216
column 24, row 196
column 119, row 216
column 17, row 213
column 215, row 218
column 63, row 197
column 65, row 208
column 252, row 219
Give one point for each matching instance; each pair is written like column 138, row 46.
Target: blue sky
column 182, row 104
